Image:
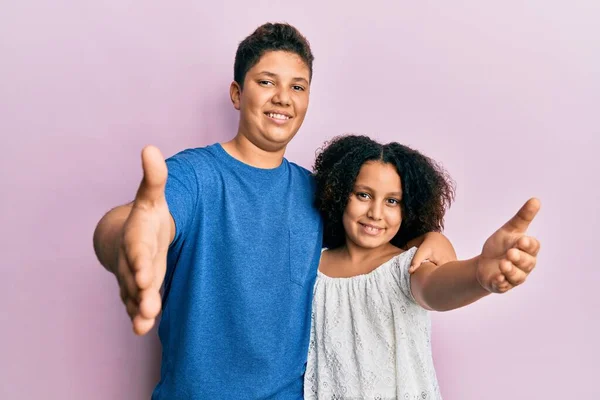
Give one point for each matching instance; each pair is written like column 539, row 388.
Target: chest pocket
column 305, row 250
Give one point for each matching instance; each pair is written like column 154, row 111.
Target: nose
column 374, row 211
column 282, row 97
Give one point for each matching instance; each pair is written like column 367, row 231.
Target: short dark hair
column 270, row 37
column 427, row 189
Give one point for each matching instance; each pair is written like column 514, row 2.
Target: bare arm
column 506, row 260
column 432, row 246
column 443, row 288
column 108, row 234
column 132, row 242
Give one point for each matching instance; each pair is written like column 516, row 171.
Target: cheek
column 354, row 209
column 254, row 101
column 346, row 222
column 302, row 106
column 349, row 217
column 394, row 217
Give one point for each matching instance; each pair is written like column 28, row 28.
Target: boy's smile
column 273, row 101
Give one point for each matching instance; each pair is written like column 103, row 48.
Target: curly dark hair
column 427, row 189
column 270, row 37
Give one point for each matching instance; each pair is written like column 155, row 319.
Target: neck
column 359, row 255
column 247, row 152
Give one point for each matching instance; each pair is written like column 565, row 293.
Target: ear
column 235, row 92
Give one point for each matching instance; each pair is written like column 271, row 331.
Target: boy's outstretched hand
column 509, row 256
column 142, row 253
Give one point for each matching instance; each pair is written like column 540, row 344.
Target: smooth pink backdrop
column 504, row 94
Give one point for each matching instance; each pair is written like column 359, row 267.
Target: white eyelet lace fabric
column 369, row 338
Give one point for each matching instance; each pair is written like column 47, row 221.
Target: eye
column 363, row 195
column 265, row 83
column 393, row 202
column 298, row 88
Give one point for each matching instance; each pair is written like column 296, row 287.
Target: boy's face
column 274, row 100
column 373, row 215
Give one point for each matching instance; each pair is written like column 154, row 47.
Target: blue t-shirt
column 238, row 289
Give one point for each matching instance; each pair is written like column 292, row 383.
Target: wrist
column 479, row 275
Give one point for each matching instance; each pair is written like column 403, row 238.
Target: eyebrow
column 365, row 187
column 273, row 75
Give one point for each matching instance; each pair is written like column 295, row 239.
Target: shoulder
column 301, row 174
column 403, row 259
column 300, row 170
column 193, row 156
column 201, row 163
column 330, row 262
column 327, row 256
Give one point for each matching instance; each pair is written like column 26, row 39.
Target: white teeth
column 278, row 116
column 371, row 229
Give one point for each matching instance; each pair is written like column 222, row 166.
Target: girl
column 370, row 336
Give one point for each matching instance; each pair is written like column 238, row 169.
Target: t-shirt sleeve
column 181, row 192
column 402, row 274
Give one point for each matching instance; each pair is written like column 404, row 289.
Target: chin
column 281, row 135
column 276, row 144
column 369, row 244
column 279, row 141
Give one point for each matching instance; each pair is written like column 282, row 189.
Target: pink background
column 504, row 94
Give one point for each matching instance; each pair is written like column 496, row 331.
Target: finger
column 132, row 308
column 138, row 255
column 504, row 287
column 529, row 245
column 499, row 279
column 144, row 277
column 152, row 187
column 123, row 293
column 419, row 258
column 153, row 277
column 150, row 303
column 520, row 222
column 142, row 325
column 126, row 279
column 523, row 261
column 513, row 275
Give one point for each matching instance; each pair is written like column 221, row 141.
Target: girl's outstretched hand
column 509, row 255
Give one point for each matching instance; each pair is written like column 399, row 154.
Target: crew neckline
column 234, row 162
column 366, row 275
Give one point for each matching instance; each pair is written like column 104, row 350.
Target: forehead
column 378, row 175
column 282, row 63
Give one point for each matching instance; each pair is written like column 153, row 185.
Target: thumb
column 520, row 222
column 152, row 187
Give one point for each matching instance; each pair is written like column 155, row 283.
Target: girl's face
column 373, row 215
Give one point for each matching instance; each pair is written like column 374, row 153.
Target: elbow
column 98, row 242
column 96, row 239
column 107, row 235
column 431, row 301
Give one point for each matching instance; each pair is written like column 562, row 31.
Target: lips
column 371, row 229
column 278, row 116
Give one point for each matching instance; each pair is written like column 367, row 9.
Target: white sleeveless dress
column 369, row 338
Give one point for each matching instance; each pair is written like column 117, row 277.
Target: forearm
column 107, row 236
column 447, row 287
